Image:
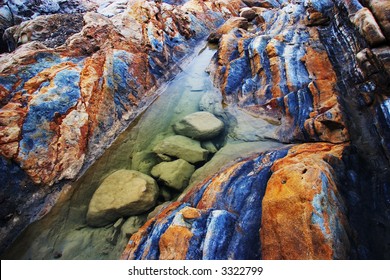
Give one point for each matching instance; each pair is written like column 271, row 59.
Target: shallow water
column 64, row 234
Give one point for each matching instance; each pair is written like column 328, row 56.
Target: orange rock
column 190, row 213
column 303, row 213
column 174, row 243
column 210, row 195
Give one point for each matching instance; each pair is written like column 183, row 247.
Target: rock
column 144, row 161
column 315, row 18
column 234, row 196
column 131, row 225
column 248, row 69
column 380, row 10
column 157, row 209
column 199, row 125
column 123, row 193
column 181, row 147
column 230, row 24
column 51, row 30
column 175, row 174
column 262, row 3
column 248, row 13
column 209, row 146
column 312, row 224
column 368, row 27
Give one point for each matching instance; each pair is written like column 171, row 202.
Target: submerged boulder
column 199, row 125
column 123, row 193
column 175, row 174
column 182, row 147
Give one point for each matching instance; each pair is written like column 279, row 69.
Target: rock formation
column 318, row 68
column 318, row 72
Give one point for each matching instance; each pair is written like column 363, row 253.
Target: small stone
column 144, row 161
column 131, row 225
column 199, row 125
column 123, row 193
column 175, row 174
column 164, row 157
column 182, row 147
column 119, row 223
column 209, row 146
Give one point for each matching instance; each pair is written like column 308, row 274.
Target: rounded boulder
column 124, row 193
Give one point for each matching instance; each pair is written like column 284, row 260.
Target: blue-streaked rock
column 281, row 70
column 228, row 219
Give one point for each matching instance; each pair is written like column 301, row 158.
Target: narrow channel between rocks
column 155, row 145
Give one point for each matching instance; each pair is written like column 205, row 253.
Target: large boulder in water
column 182, row 147
column 199, row 125
column 123, row 193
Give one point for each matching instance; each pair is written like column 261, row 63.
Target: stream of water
column 64, row 234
